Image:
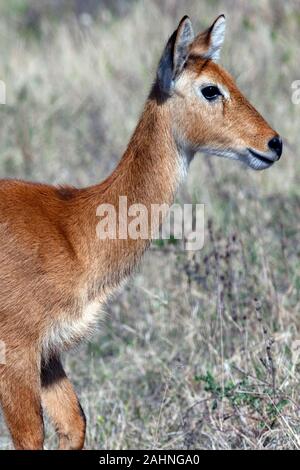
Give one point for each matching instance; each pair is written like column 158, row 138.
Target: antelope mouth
column 259, row 161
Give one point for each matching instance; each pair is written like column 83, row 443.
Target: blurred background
column 200, row 350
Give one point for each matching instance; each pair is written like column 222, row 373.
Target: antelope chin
column 252, row 158
column 258, row 161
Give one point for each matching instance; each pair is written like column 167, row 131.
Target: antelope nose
column 275, row 144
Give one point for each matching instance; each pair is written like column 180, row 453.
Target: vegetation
column 199, row 350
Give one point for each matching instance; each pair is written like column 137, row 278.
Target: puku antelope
column 56, row 273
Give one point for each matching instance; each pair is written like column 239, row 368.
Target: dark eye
column 211, row 92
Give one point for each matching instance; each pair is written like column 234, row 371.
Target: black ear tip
column 219, row 19
column 184, row 19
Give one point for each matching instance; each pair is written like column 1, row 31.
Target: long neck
column 151, row 168
column 149, row 173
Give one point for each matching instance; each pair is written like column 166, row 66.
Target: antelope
column 56, row 273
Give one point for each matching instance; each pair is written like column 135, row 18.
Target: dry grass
column 198, row 351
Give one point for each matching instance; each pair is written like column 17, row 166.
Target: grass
column 200, row 350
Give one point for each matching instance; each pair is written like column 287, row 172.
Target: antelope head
column 207, row 110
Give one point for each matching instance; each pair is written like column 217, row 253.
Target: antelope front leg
column 62, row 405
column 20, row 400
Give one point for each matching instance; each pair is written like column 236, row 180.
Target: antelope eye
column 211, row 92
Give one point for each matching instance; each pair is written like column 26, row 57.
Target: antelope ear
column 175, row 55
column 209, row 43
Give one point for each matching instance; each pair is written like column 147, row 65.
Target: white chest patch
column 68, row 330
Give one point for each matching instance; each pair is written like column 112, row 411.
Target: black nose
column 275, row 144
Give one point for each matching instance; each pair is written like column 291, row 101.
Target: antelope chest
column 72, row 327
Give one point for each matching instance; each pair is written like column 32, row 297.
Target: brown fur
column 55, row 273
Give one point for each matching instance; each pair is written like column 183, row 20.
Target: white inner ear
column 217, row 39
